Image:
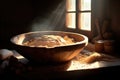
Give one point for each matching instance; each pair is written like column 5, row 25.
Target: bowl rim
column 85, row 41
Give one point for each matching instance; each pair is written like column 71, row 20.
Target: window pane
column 85, row 5
column 70, row 20
column 70, row 5
column 84, row 21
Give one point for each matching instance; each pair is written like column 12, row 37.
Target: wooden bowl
column 56, row 54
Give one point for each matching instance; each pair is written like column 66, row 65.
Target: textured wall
column 19, row 16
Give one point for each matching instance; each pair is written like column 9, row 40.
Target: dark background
column 19, row 16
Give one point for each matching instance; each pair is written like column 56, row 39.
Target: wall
column 19, row 16
column 107, row 10
column 115, row 16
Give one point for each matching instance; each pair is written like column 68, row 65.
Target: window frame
column 77, row 29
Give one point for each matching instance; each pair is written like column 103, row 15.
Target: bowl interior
column 21, row 38
column 56, row 54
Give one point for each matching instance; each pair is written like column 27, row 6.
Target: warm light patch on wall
column 70, row 5
column 70, row 20
column 85, row 5
column 84, row 21
column 84, row 17
column 78, row 14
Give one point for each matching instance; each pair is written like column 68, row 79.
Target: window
column 78, row 14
